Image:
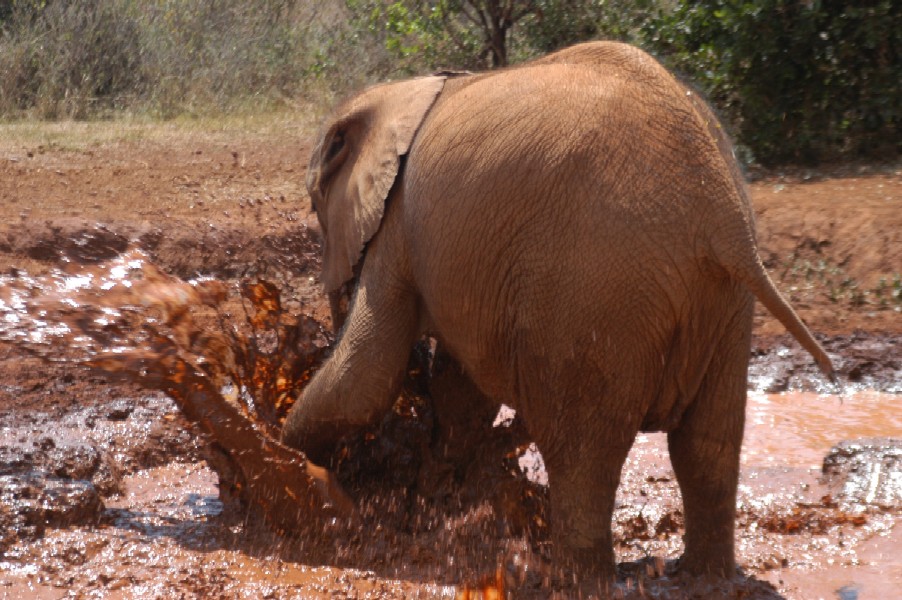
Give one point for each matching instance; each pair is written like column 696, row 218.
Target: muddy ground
column 105, row 491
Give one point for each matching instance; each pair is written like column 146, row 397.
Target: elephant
column 576, row 232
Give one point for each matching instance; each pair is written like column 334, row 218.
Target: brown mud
column 106, row 490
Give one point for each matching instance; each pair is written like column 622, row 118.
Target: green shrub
column 483, row 34
column 801, row 81
column 560, row 23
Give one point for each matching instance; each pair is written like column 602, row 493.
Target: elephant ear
column 355, row 163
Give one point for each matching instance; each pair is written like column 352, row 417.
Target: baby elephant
column 576, row 233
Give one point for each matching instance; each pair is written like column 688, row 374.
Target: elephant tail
column 759, row 282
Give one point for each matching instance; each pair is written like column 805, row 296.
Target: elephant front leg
column 357, row 384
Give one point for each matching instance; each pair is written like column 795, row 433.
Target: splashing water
column 131, row 321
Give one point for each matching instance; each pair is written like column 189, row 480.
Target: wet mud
column 107, row 490
column 465, row 498
column 864, row 360
column 798, row 523
column 866, row 471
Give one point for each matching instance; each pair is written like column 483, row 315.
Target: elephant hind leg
column 704, row 451
column 583, row 475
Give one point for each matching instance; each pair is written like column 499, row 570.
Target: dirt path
column 231, row 204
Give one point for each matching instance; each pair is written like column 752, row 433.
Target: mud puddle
column 143, row 513
column 162, row 532
column 165, row 532
column 798, row 429
column 809, row 534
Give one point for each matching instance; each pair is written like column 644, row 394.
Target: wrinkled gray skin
column 576, row 233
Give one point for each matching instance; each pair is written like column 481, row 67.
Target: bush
column 801, row 81
column 81, row 60
column 71, row 59
column 481, row 34
column 798, row 81
column 560, row 23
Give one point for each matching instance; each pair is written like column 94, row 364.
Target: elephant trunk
column 316, row 438
column 355, row 389
column 340, row 299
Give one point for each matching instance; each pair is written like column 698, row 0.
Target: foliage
column 802, row 81
column 463, row 33
column 70, row 59
column 559, row 23
column 798, row 81
column 410, row 32
column 481, row 34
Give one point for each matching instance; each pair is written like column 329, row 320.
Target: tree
column 470, row 33
column 493, row 33
column 494, row 19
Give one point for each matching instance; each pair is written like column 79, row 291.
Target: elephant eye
column 338, row 143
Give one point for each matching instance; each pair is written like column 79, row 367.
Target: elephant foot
column 316, row 440
column 710, row 564
column 590, row 569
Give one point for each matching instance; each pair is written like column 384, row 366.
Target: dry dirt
column 230, row 203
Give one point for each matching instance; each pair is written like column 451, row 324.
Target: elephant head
column 353, row 168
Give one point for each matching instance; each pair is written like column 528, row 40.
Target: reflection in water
column 848, row 592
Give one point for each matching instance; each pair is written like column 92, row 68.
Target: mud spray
column 232, row 366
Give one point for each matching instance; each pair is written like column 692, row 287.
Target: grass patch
column 802, row 278
column 75, row 135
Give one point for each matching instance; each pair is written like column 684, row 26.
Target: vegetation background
column 798, row 81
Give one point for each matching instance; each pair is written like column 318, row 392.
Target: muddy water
column 163, row 537
column 789, row 435
column 798, row 429
column 786, row 534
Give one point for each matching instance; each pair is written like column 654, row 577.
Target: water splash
column 131, row 321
